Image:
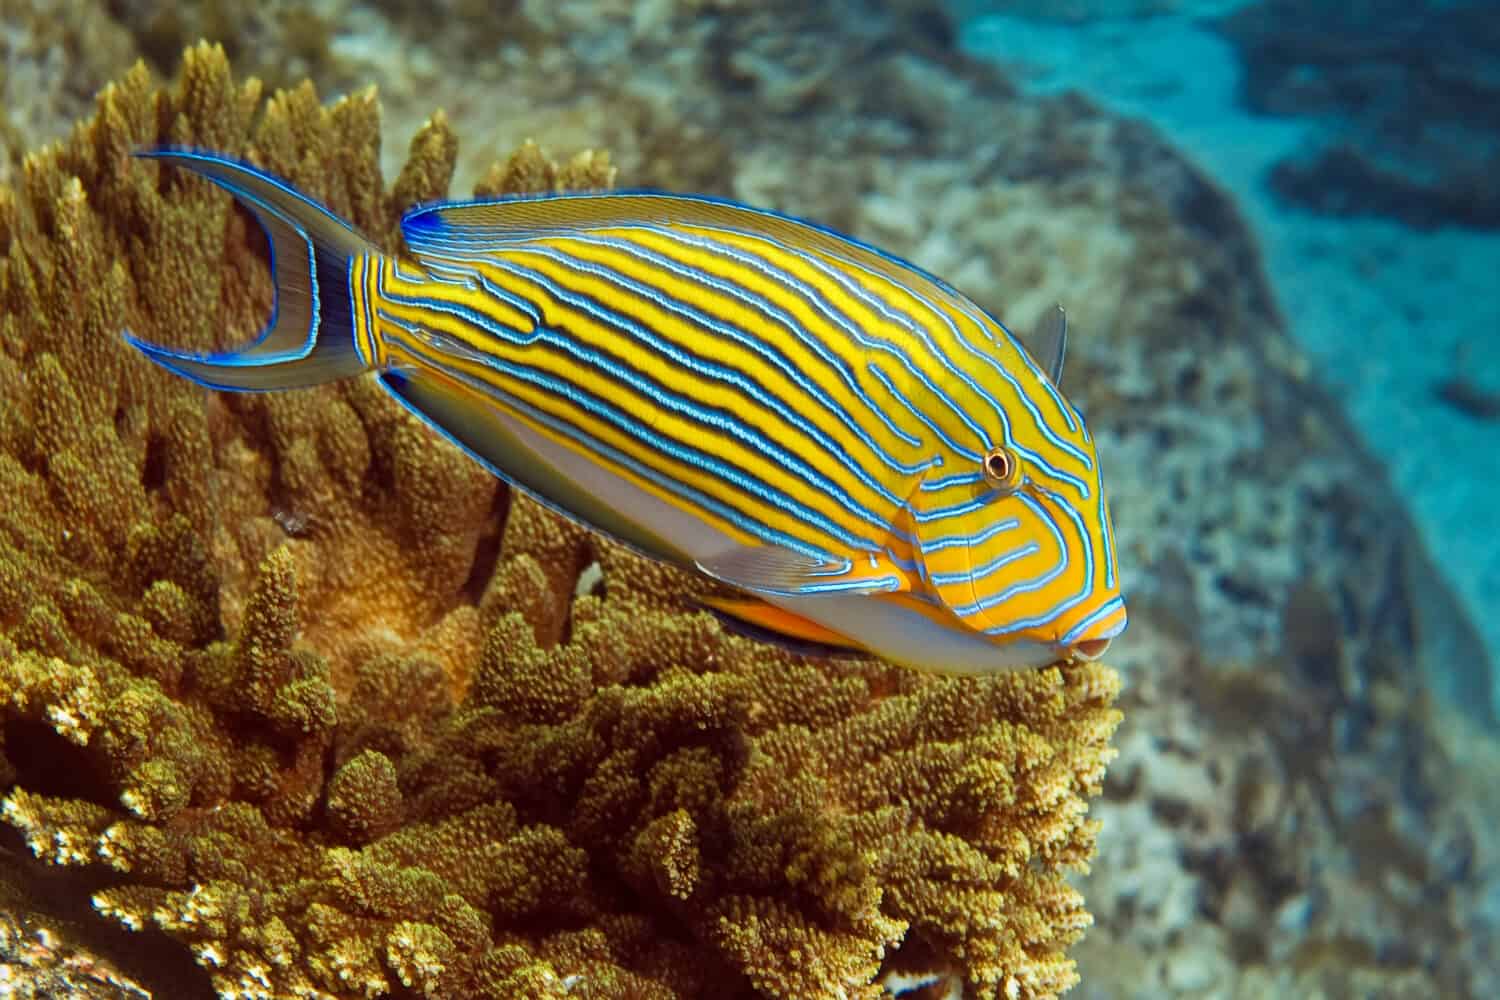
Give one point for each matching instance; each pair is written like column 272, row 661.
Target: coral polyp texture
column 310, row 694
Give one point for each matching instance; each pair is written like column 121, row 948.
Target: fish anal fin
column 768, row 623
column 479, row 426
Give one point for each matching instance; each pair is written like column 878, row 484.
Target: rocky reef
column 1085, row 10
column 1409, row 94
column 313, row 696
column 54, row 56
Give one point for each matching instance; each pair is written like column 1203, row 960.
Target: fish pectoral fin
column 784, row 572
column 768, row 623
column 487, row 433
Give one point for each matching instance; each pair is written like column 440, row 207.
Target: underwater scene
column 749, row 499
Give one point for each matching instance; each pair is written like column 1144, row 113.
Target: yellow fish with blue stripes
column 869, row 459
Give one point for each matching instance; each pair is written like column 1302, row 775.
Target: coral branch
column 346, row 723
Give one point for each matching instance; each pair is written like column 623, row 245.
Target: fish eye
column 1002, row 469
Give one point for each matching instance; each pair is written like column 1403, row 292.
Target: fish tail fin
column 312, row 336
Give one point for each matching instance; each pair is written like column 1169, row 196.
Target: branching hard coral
column 351, row 720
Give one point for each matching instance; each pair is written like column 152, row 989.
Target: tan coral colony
column 325, row 699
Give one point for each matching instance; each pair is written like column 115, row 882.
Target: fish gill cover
column 321, row 700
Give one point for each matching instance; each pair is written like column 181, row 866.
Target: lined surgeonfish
column 869, row 459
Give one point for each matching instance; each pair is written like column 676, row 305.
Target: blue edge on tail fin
column 309, row 338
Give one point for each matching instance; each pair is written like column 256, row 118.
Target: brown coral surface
column 1339, row 837
column 305, row 691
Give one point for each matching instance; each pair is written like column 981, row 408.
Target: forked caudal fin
column 310, row 337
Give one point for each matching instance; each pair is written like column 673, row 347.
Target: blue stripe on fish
column 742, row 393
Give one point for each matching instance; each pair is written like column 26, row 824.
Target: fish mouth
column 1087, row 650
column 1088, row 639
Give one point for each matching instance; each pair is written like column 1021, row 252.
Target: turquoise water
column 1369, row 188
column 1388, row 311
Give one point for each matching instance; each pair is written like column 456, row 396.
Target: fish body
column 875, row 463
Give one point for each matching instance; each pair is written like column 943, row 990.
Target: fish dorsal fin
column 1048, row 342
column 782, row 572
column 455, row 227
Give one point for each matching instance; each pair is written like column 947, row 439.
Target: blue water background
column 1386, row 308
